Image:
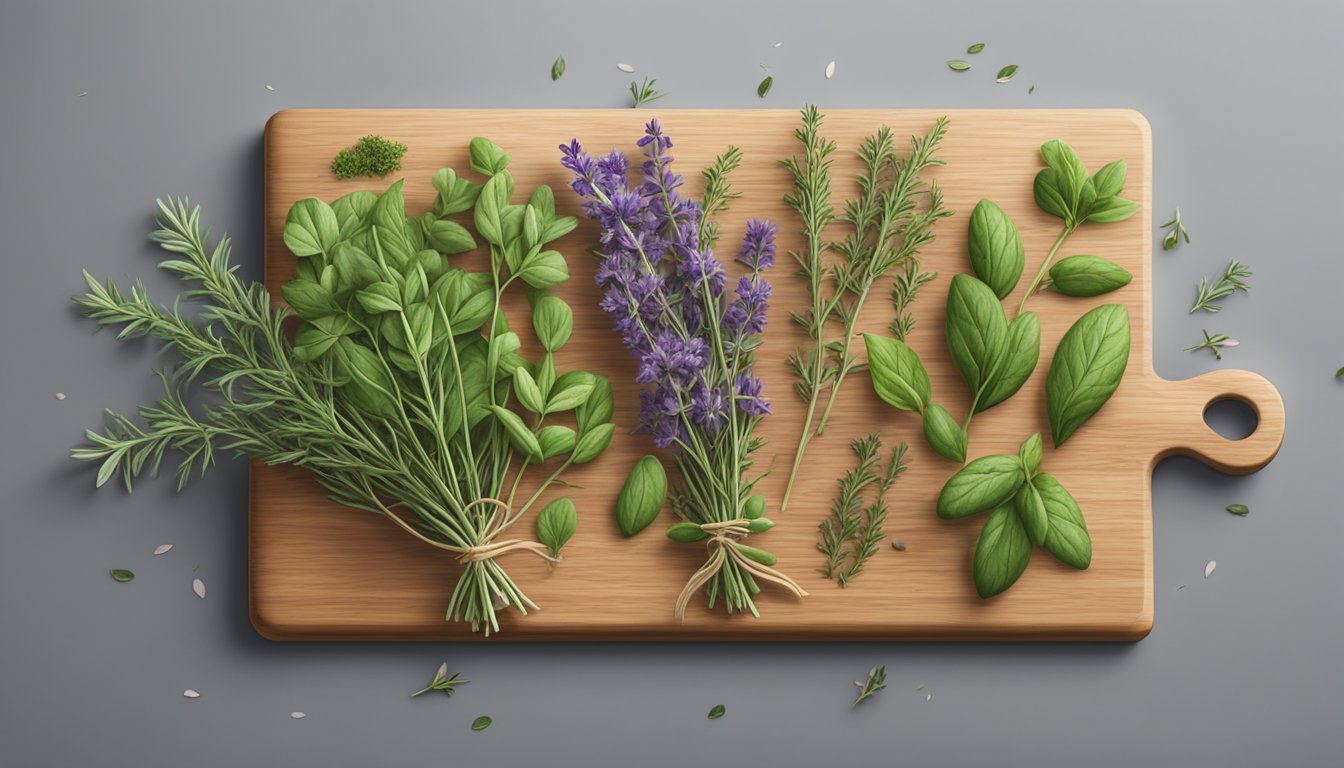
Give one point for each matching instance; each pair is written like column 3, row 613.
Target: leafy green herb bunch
column 395, row 392
column 666, row 292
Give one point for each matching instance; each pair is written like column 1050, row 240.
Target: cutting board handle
column 1190, row 435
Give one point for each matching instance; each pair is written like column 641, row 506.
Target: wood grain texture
column 319, row 571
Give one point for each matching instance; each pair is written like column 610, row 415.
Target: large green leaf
column 1067, row 537
column 995, row 248
column 1088, row 366
column 977, row 331
column 983, row 484
column 897, row 374
column 1001, row 554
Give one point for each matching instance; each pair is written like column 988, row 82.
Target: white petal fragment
column 162, row 548
column 1208, row 569
column 60, row 395
column 626, row 68
column 830, row 70
column 192, row 693
column 198, row 587
column 297, row 715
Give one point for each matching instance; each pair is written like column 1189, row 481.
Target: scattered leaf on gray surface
column 297, row 715
column 625, row 68
column 1180, row 587
column 162, row 548
column 198, row 587
column 270, row 87
column 830, row 70
column 60, row 395
column 974, row 49
column 1208, row 569
column 1006, row 74
column 121, row 574
column 959, row 65
column 191, row 693
column 82, row 94
column 1031, row 90
column 481, row 723
column 717, row 712
column 776, row 45
column 1239, row 509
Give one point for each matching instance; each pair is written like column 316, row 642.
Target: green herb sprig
column 1215, row 343
column 853, row 532
column 370, row 156
column 876, row 681
column 1028, row 507
column 1175, row 232
column 442, row 681
column 891, row 220
column 1231, row 281
column 558, row 68
column 644, row 93
column 718, row 194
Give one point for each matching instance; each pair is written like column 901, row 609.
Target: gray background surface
column 1243, row 668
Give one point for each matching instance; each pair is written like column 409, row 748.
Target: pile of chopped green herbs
column 370, row 156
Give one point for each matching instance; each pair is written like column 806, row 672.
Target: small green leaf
column 592, row 443
column 520, row 436
column 380, row 297
column 1111, row 210
column 1110, row 180
column 121, row 574
column 1239, row 509
column 308, row 299
column 487, row 157
column 311, row 228
column 456, row 194
column 446, row 236
column 1049, row 195
column 1001, row 554
column 764, row 87
column 754, row 507
column 481, row 723
column 490, row 205
column 1088, row 276
column 558, row 68
column 570, row 391
column 756, row 554
column 1017, row 360
column 556, row 524
column 553, row 321
column 976, row 48
column 959, row 65
column 983, row 484
column 1067, row 537
column 944, row 435
column 1029, row 453
column 686, row 532
column 1031, row 511
column 556, row 439
column 529, row 394
column 897, row 374
column 1089, row 363
column 716, row 712
column 641, row 496
column 544, row 270
column 597, row 409
column 977, row 330
column 1006, row 74
column 995, row 248
column 1339, row 374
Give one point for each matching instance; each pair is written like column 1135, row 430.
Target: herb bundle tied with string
column 891, row 220
column 695, row 345
column 395, row 390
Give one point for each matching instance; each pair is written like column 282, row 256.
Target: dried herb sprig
column 891, row 220
column 1215, row 343
column 644, row 92
column 442, row 681
column 1176, row 232
column 853, row 532
column 877, row 680
column 1231, row 281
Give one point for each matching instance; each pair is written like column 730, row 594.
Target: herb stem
column 1045, row 267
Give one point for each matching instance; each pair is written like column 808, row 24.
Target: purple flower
column 747, row 393
column 701, row 269
column 709, row 407
column 745, row 315
column 758, row 246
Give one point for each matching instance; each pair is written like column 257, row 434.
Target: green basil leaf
column 356, row 269
column 544, row 270
column 311, row 342
column 1050, row 197
column 379, row 297
column 944, row 435
column 481, row 723
column 352, row 212
column 311, row 228
column 520, row 437
column 592, row 443
column 759, row 525
column 421, row 321
column 553, row 321
column 1067, row 538
column 531, row 226
column 545, row 374
column 1087, row 276
column 754, row 507
column 756, row 554
column 716, row 712
column 977, row 330
column 369, row 385
column 389, row 211
column 1029, row 453
column 557, row 228
column 487, row 158
column 529, row 395
column 1017, row 361
column 1031, row 511
column 1110, row 180
column 308, row 299
column 995, row 248
column 455, row 194
column 556, row 524
column 1072, row 174
column 983, row 484
column 897, row 374
column 1001, row 554
column 686, row 533
column 1112, row 210
column 556, row 439
column 571, row 390
column 543, row 200
column 122, row 575
column 1088, row 366
column 641, row 496
column 503, row 345
column 446, row 236
column 598, row 408
column 490, row 206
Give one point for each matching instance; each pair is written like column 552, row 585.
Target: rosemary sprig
column 877, row 680
column 904, row 291
column 891, row 219
column 853, row 532
column 442, row 682
column 1230, row 282
column 1176, row 232
column 718, row 193
column 1215, row 343
column 644, row 92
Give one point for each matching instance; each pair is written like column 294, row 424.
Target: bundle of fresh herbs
column 394, row 392
column 890, row 221
column 853, row 531
column 695, row 346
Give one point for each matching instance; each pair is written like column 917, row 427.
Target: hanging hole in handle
column 1231, row 418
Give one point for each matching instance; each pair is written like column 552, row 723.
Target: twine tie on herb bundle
column 489, row 549
column 722, row 546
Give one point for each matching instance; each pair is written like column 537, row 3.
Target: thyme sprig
column 853, row 532
column 1215, row 343
column 442, row 681
column 877, row 680
column 891, row 219
column 643, row 92
column 1231, row 281
column 1175, row 232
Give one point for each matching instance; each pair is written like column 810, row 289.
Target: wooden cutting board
column 319, row 571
